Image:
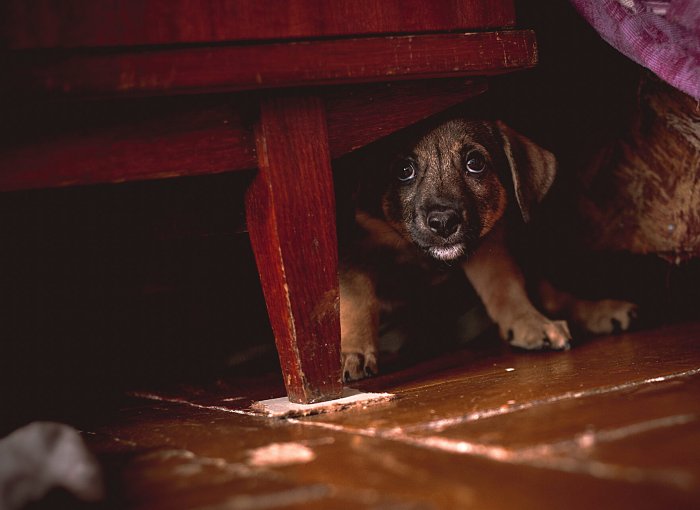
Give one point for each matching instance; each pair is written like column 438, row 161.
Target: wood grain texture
column 358, row 115
column 55, row 145
column 608, row 362
column 89, row 143
column 290, row 212
column 86, row 23
column 244, row 67
column 623, row 435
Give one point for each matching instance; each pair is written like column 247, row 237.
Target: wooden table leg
column 290, row 209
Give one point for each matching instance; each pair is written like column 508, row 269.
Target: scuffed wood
column 67, row 144
column 87, row 23
column 290, row 212
column 244, row 67
column 611, row 424
column 351, row 398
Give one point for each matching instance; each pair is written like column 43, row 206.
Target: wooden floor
column 613, row 423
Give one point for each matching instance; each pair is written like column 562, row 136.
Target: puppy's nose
column 443, row 222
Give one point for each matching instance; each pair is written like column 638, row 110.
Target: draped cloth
column 663, row 36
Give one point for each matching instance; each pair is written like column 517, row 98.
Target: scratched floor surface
column 613, row 423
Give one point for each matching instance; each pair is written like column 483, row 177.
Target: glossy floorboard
column 613, row 423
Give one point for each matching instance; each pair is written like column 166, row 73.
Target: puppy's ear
column 532, row 168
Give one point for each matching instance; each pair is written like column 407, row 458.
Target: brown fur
column 359, row 323
column 598, row 317
column 446, row 205
column 641, row 193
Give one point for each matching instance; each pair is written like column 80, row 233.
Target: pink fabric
column 662, row 36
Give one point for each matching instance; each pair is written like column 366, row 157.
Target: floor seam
column 444, row 423
column 536, row 457
column 529, row 457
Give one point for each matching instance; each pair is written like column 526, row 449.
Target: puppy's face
column 454, row 185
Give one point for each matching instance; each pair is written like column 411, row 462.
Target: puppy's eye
column 405, row 170
column 475, row 163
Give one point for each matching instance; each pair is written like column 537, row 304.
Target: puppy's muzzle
column 443, row 222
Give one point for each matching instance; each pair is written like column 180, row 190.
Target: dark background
column 110, row 288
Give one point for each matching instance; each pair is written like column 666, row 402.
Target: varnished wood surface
column 64, row 144
column 55, row 145
column 613, row 423
column 80, row 50
column 290, row 211
column 244, row 67
column 358, row 115
column 85, row 23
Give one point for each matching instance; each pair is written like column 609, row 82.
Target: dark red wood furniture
column 110, row 91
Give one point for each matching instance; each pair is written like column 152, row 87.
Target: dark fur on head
column 454, row 184
column 442, row 198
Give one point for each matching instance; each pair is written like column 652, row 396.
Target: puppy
column 444, row 205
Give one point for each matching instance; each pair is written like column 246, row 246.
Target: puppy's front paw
column 534, row 331
column 358, row 365
column 606, row 316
